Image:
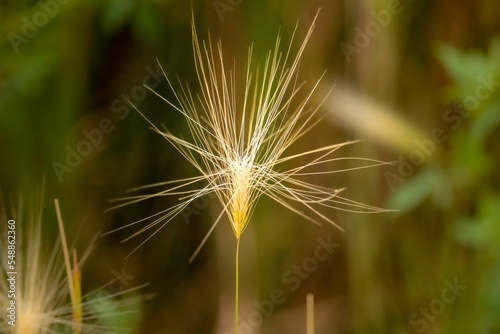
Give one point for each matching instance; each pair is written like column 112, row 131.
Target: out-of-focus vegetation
column 432, row 73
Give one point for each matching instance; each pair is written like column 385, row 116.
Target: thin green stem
column 236, row 293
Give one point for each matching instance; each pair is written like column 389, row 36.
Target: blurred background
column 419, row 81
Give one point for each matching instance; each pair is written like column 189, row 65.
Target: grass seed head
column 48, row 297
column 240, row 142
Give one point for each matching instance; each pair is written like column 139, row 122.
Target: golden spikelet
column 239, row 147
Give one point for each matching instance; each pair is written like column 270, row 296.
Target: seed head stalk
column 73, row 275
column 236, row 287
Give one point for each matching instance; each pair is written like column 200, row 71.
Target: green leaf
column 147, row 23
column 482, row 230
column 485, row 124
column 469, row 159
column 415, row 190
column 116, row 14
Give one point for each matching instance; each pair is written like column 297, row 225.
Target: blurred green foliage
column 464, row 186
